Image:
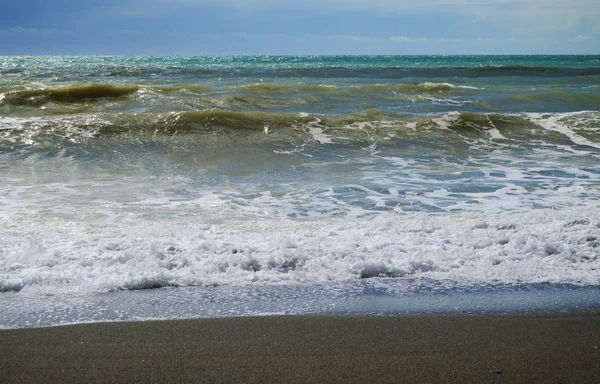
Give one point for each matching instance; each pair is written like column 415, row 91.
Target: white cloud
column 401, row 39
column 31, row 31
column 519, row 16
column 353, row 38
column 421, row 40
column 522, row 19
column 405, row 39
column 126, row 11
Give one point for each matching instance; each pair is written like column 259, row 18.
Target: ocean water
column 170, row 187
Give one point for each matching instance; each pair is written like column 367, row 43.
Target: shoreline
column 554, row 347
column 365, row 297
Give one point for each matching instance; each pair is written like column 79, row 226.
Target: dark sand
column 538, row 348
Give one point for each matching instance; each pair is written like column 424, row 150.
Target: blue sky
column 207, row 27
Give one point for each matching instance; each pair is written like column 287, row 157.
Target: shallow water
column 364, row 297
column 253, row 173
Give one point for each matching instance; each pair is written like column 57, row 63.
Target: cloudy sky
column 201, row 27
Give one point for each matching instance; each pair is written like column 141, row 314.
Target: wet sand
column 532, row 348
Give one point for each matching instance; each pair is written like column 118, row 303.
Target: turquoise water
column 329, row 85
column 127, row 173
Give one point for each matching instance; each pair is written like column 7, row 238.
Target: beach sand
column 531, row 348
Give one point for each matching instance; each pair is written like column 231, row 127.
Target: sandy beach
column 531, row 348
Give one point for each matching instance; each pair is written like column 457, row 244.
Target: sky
column 303, row 27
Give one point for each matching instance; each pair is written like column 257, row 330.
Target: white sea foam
column 448, row 101
column 432, row 85
column 557, row 123
column 542, row 246
column 468, row 87
column 444, row 121
column 9, row 123
column 317, row 133
column 129, row 219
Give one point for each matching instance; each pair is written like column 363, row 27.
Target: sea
column 172, row 187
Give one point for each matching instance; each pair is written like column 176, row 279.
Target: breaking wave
column 372, row 126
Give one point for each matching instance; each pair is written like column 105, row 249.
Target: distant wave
column 585, row 100
column 416, row 87
column 83, row 93
column 335, row 72
column 378, row 72
column 70, row 94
